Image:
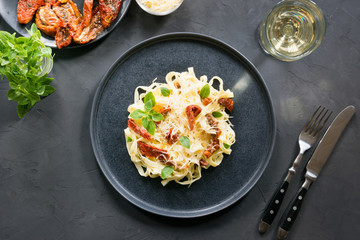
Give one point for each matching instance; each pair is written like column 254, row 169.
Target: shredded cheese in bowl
column 159, row 7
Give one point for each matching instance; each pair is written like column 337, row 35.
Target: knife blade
column 314, row 167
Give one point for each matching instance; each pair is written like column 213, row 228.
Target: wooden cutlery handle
column 273, row 207
column 289, row 217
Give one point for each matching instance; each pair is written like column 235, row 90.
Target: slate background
column 52, row 188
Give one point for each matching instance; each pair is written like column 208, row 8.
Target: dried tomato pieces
column 192, row 111
column 151, row 151
column 90, row 32
column 215, row 144
column 87, row 12
column 63, row 35
column 206, row 101
column 109, row 10
column 165, row 111
column 47, row 20
column 138, row 130
column 172, row 136
column 26, row 9
column 203, row 163
column 227, row 103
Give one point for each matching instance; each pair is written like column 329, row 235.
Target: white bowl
column 150, row 11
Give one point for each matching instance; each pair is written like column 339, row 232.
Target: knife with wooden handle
column 314, row 166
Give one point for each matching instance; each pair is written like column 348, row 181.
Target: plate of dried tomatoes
column 65, row 23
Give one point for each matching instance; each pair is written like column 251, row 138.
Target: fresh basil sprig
column 21, row 62
column 148, row 116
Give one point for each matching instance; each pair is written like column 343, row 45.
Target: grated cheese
column 160, row 5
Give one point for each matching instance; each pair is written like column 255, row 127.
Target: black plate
column 253, row 121
column 8, row 12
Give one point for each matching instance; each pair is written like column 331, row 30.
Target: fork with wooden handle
column 307, row 138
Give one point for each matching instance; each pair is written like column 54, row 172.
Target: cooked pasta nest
column 184, row 89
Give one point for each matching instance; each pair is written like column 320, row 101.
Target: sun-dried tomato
column 63, row 36
column 203, row 162
column 206, row 101
column 26, row 9
column 87, row 12
column 109, row 9
column 227, row 103
column 192, row 111
column 153, row 152
column 165, row 111
column 138, row 129
column 47, row 20
column 86, row 34
column 215, row 144
column 172, row 137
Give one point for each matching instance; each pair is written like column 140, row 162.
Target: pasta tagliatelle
column 194, row 132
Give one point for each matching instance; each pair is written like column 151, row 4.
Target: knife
column 314, row 166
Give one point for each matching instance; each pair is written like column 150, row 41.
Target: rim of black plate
column 118, row 186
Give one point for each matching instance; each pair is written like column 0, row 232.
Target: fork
column 308, row 136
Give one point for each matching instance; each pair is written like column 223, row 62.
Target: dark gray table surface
column 52, row 188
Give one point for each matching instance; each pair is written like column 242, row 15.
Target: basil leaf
column 129, row 139
column 165, row 91
column 137, row 114
column 148, row 106
column 33, row 29
column 185, row 141
column 145, row 122
column 157, row 117
column 48, row 89
column 41, row 90
column 12, row 94
column 23, row 109
column 205, row 91
column 227, row 146
column 150, row 96
column 217, row 114
column 166, row 171
column 34, row 98
column 44, row 80
column 151, row 127
column 24, row 100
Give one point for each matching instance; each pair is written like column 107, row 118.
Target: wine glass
column 292, row 29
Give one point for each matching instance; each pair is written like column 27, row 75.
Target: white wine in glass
column 292, row 29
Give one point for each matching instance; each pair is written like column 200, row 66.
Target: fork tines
column 313, row 126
